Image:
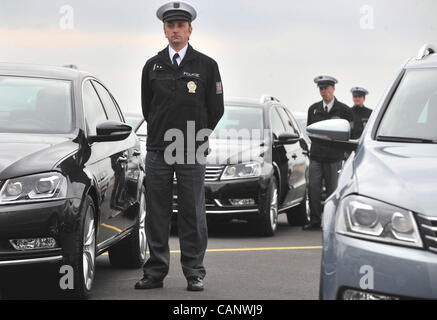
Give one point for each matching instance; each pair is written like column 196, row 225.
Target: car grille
column 212, row 173
column 209, row 203
column 428, row 228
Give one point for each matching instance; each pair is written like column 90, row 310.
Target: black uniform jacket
column 316, row 114
column 361, row 116
column 172, row 96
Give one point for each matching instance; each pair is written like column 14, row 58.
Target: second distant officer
column 360, row 112
column 325, row 162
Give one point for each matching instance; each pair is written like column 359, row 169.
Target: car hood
column 23, row 154
column 232, row 151
column 401, row 174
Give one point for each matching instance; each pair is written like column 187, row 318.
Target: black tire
column 82, row 288
column 264, row 226
column 298, row 216
column 131, row 251
column 321, row 281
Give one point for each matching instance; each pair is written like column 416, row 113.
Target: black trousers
column 192, row 227
column 319, row 172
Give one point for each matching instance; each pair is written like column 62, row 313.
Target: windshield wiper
column 404, row 139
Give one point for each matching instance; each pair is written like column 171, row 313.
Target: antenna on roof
column 267, row 97
column 426, row 50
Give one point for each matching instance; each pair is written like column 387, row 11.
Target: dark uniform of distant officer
column 325, row 162
column 360, row 112
column 180, row 87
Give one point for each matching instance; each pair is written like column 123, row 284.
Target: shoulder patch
column 218, row 88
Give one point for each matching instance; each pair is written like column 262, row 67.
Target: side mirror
column 111, row 131
column 333, row 133
column 287, row 138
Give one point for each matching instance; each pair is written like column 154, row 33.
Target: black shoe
column 149, row 283
column 195, row 284
column 312, row 226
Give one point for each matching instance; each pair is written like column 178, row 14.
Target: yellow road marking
column 252, row 249
column 111, row 227
column 264, row 249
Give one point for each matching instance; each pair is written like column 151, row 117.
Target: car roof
column 300, row 115
column 247, row 102
column 43, row 71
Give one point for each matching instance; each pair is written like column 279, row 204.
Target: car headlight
column 370, row 219
column 241, row 171
column 44, row 186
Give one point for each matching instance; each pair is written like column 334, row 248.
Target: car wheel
column 266, row 226
column 131, row 251
column 84, row 258
column 299, row 216
column 321, row 282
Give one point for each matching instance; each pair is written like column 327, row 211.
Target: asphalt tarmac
column 240, row 266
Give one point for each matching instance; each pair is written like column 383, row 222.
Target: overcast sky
column 276, row 47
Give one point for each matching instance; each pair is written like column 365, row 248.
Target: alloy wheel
column 142, row 227
column 89, row 249
column 274, row 208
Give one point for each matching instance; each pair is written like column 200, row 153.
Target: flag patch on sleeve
column 218, row 88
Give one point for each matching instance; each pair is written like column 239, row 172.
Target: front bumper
column 28, row 261
column 350, row 263
column 218, row 194
column 54, row 219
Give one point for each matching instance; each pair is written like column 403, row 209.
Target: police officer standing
column 325, row 162
column 180, row 86
column 360, row 112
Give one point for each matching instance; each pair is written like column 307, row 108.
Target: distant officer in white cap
column 324, row 161
column 180, row 86
column 360, row 112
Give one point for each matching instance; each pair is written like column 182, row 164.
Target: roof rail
column 267, row 97
column 70, row 66
column 425, row 51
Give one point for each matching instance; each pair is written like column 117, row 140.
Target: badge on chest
column 192, row 87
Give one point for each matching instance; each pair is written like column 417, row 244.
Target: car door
column 95, row 114
column 299, row 156
column 290, row 194
column 121, row 168
column 280, row 153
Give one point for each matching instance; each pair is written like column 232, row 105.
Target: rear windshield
column 412, row 112
column 33, row 105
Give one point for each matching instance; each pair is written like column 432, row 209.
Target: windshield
column 302, row 122
column 243, row 122
column 32, row 105
column 142, row 130
column 412, row 113
column 132, row 120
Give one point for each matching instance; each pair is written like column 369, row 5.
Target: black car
column 257, row 175
column 301, row 119
column 71, row 177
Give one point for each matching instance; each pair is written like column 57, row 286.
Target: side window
column 294, row 121
column 289, row 126
column 108, row 103
column 277, row 124
column 94, row 112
